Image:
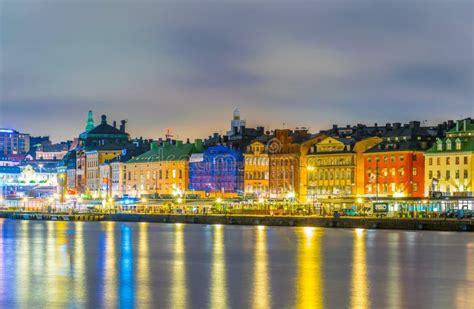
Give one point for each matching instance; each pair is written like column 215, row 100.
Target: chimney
column 104, row 119
column 179, row 143
column 115, row 124
column 457, row 125
column 388, row 125
column 414, row 124
column 465, row 125
column 122, row 125
column 334, row 126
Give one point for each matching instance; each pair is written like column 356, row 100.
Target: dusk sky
column 188, row 65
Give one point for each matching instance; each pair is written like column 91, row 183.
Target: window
column 173, row 174
column 465, row 173
column 465, row 160
column 415, row 171
column 448, row 174
column 385, row 158
column 456, row 175
column 401, row 171
column 385, row 172
column 392, row 158
column 430, row 161
column 430, row 175
column 402, row 158
column 415, row 187
column 413, row 157
column 448, row 160
column 385, row 188
column 393, row 187
column 392, row 171
column 438, row 174
column 438, row 161
column 457, row 160
column 161, row 174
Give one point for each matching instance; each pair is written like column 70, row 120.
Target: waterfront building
column 395, row 167
column 95, row 146
column 13, row 142
column 218, row 171
column 28, row 180
column 163, row 170
column 257, row 169
column 449, row 163
column 332, row 169
column 285, row 161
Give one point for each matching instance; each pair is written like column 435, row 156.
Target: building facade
column 218, row 171
column 164, row 170
column 395, row 167
column 257, row 169
column 13, row 142
column 449, row 163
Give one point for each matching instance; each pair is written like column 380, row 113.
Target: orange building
column 394, row 173
column 257, row 169
column 396, row 167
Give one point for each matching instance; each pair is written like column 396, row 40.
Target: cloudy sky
column 186, row 65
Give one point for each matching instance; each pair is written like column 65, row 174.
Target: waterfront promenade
column 430, row 224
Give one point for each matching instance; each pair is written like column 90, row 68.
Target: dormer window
column 458, row 144
column 439, row 145
column 448, row 144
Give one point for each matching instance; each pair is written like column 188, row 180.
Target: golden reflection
column 110, row 288
column 79, row 264
column 218, row 274
column 23, row 265
column 179, row 290
column 143, row 267
column 359, row 288
column 260, row 271
column 309, row 283
column 393, row 285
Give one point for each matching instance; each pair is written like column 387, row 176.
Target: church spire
column 90, row 122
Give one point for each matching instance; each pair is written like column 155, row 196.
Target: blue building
column 219, row 169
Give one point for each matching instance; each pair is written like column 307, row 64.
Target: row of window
column 391, row 187
column 256, row 161
column 447, row 161
column 256, row 175
column 331, row 161
column 447, row 174
column 392, row 158
column 330, row 175
column 152, row 175
column 392, row 172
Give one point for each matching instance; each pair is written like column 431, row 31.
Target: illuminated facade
column 449, row 163
column 13, row 142
column 335, row 167
column 218, row 171
column 257, row 169
column 163, row 170
column 395, row 167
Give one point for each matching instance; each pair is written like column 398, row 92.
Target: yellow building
column 93, row 160
column 163, row 170
column 256, row 169
column 335, row 168
column 449, row 164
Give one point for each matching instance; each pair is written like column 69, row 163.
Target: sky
column 186, row 65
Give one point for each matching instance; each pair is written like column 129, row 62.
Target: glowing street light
column 219, row 200
column 359, row 200
column 143, row 200
column 179, row 200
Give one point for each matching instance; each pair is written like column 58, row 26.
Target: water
column 112, row 264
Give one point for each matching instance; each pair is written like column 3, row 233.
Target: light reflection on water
column 109, row 265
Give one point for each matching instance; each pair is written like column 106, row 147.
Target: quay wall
column 366, row 223
column 328, row 222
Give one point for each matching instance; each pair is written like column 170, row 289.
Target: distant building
column 13, row 142
column 218, row 171
column 238, row 137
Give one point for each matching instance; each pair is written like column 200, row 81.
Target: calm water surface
column 112, row 264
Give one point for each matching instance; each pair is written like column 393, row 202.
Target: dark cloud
column 186, row 65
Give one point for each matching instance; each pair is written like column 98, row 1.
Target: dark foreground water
column 111, row 264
